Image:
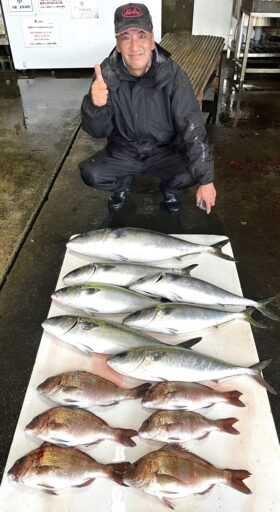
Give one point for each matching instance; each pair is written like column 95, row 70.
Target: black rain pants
column 115, row 170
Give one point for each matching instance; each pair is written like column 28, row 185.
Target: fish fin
column 187, row 270
column 164, row 480
column 261, row 307
column 235, row 479
column 123, row 436
column 70, row 389
column 61, row 442
column 117, row 470
column 167, row 503
column 85, row 348
column 206, row 490
column 248, row 317
column 140, row 391
column 86, row 483
column 171, row 331
column 189, row 343
column 256, row 370
column 121, row 257
column 218, row 250
column 204, row 435
column 264, row 383
column 49, row 491
column 233, row 398
column 261, row 365
column 174, row 297
column 185, row 453
column 47, row 486
column 225, row 425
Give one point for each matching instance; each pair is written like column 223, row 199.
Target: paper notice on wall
column 84, row 8
column 51, row 4
column 19, row 6
column 38, row 32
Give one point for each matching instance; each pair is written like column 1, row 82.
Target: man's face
column 136, row 47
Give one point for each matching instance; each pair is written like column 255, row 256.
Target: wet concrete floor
column 247, row 157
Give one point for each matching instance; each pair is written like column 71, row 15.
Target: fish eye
column 157, row 356
column 123, row 354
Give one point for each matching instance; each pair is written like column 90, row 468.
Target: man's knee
column 89, row 172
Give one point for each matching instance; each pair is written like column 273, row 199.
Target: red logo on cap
column 132, row 12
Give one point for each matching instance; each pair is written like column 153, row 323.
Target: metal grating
column 199, row 56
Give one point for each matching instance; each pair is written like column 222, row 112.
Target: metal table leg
column 246, row 49
column 239, row 36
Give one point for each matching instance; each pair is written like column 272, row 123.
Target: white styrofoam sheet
column 256, row 449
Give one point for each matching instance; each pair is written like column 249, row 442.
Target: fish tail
column 187, row 270
column 116, row 471
column 235, row 479
column 233, row 398
column 248, row 317
column 217, row 249
column 226, row 425
column 261, row 307
column 257, row 369
column 139, row 391
column 124, row 435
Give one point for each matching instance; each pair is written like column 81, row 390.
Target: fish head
column 65, row 295
column 139, row 473
column 58, row 325
column 141, row 318
column 20, row 469
column 83, row 243
column 127, row 362
column 80, row 275
column 154, row 396
column 147, row 284
column 149, row 428
column 50, row 385
column 38, row 424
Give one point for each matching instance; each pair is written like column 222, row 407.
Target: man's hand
column 206, row 193
column 99, row 90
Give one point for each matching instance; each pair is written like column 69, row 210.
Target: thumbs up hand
column 99, row 89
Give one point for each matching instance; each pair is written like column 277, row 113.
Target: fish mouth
column 56, row 297
column 79, row 275
column 126, row 369
column 59, row 325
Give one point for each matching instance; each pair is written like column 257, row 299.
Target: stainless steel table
column 254, row 9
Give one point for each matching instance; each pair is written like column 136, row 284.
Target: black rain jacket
column 146, row 114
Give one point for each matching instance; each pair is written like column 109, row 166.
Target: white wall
column 212, row 17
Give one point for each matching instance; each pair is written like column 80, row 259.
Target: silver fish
column 119, row 274
column 92, row 335
column 188, row 396
column 180, row 318
column 182, row 426
column 173, row 472
column 52, row 468
column 84, row 389
column 101, row 298
column 185, row 288
column 138, row 245
column 184, row 365
column 69, row 426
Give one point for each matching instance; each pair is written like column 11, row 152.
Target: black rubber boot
column 117, row 200
column 171, row 203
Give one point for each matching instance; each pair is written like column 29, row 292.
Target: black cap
column 132, row 16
